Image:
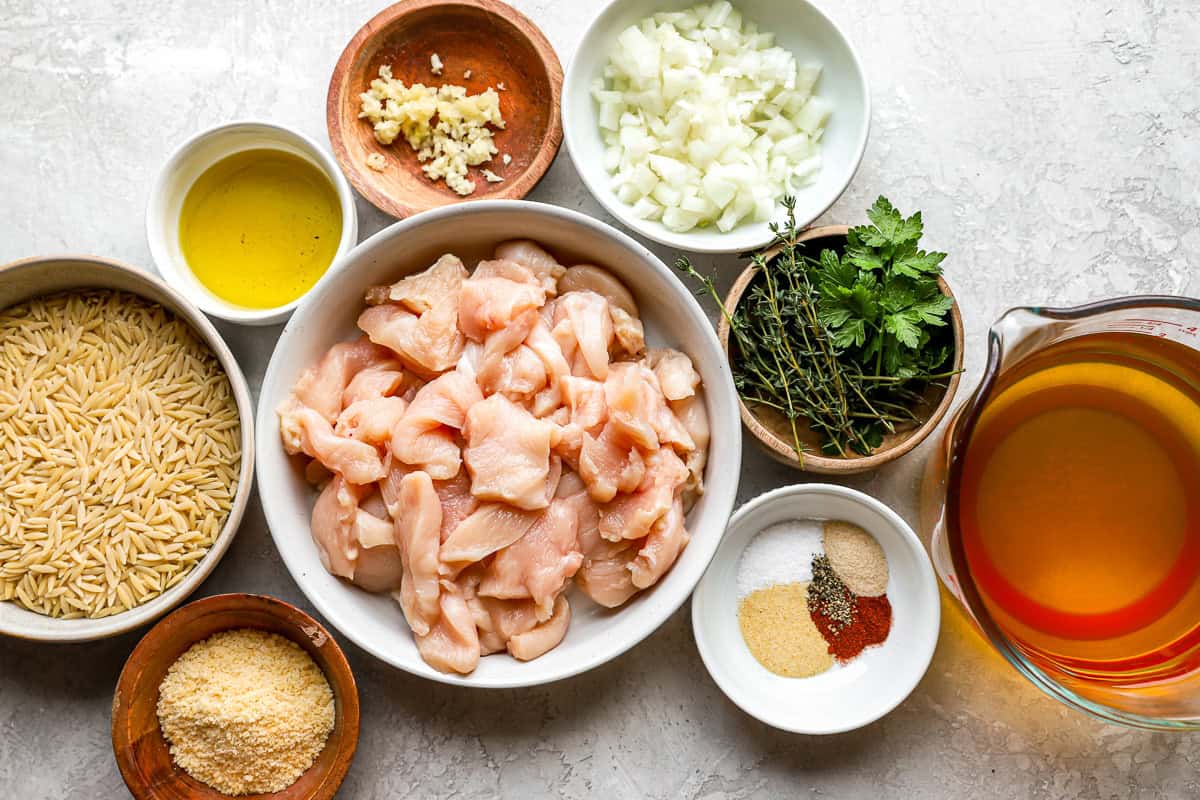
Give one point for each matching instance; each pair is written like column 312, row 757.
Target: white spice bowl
column 847, row 696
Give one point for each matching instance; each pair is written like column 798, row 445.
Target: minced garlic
column 460, row 138
column 245, row 711
column 376, row 161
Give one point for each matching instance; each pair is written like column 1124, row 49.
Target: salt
column 779, row 554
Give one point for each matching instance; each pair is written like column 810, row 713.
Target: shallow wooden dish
column 138, row 744
column 771, row 429
column 498, row 45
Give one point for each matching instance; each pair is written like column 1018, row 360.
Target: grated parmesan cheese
column 245, row 711
column 491, row 177
column 460, row 138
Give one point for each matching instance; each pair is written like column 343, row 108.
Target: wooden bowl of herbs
column 846, row 344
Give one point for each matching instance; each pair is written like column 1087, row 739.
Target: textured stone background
column 1054, row 148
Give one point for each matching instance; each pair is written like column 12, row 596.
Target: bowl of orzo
column 126, row 448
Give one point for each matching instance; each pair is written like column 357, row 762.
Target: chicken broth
column 1079, row 509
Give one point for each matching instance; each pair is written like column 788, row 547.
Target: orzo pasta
column 119, row 452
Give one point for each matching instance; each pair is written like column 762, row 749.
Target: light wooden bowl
column 498, row 45
column 771, row 429
column 138, row 743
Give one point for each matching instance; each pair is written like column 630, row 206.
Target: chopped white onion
column 705, row 121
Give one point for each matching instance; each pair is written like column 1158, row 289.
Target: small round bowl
column 142, row 752
column 498, row 45
column 856, row 693
column 32, row 277
column 771, row 430
column 800, row 27
column 672, row 317
column 187, row 163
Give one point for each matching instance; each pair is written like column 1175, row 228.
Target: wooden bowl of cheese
column 467, row 106
column 142, row 751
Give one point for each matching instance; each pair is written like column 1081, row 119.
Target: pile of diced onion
column 705, row 121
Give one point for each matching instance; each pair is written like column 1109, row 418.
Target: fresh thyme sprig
column 844, row 344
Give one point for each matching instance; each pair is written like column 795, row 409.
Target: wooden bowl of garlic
column 466, row 106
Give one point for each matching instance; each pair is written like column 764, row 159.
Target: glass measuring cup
column 1167, row 700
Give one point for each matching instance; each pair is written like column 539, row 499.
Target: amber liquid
column 1080, row 507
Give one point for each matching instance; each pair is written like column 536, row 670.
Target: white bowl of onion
column 691, row 128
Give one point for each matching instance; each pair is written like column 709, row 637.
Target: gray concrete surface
column 1054, row 149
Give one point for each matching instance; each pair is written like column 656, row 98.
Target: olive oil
column 260, row 227
column 1080, row 507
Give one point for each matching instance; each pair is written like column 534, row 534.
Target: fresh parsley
column 844, row 343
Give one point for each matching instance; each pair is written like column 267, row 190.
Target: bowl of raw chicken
column 500, row 446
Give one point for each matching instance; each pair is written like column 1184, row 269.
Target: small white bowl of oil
column 846, row 696
column 247, row 217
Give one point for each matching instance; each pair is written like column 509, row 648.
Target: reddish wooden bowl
column 138, row 743
column 499, row 45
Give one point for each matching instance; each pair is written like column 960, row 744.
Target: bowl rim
column 168, row 628
column 754, row 236
column 158, row 231
column 399, row 229
column 928, row 579
column 106, row 627
column 363, row 179
column 778, row 448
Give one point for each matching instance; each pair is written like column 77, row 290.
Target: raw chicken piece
column 321, row 386
column 666, row 540
column 692, row 414
column 585, row 399
column 630, row 516
column 542, row 342
column 468, row 583
column 545, row 637
column 427, row 344
column 604, row 575
column 630, row 404
column 676, row 377
column 425, row 435
column 638, row 409
column 457, row 501
column 531, row 256
column 496, row 367
column 589, row 278
column 422, row 291
column 452, row 643
column 379, row 567
column 628, row 332
column 383, row 380
column 305, row 431
column 333, row 526
column 608, row 581
column 492, row 527
column 490, row 302
column 538, row 565
column 371, row 420
column 517, row 375
column 351, row 541
column 418, row 534
column 583, row 329
column 610, row 463
column 508, row 453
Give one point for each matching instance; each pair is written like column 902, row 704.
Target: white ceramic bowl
column 21, row 280
column 187, row 163
column 846, row 697
column 671, row 316
column 799, row 26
